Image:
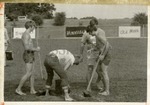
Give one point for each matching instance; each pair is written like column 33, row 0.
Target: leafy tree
column 44, row 9
column 37, row 19
column 72, row 18
column 88, row 17
column 60, row 18
column 139, row 19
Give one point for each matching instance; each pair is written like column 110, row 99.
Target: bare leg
column 89, row 73
column 24, row 78
column 47, row 90
column 99, row 78
column 105, row 79
column 32, row 90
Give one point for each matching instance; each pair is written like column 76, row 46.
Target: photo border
column 116, row 2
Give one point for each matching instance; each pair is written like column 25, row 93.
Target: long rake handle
column 94, row 70
column 39, row 55
column 95, row 67
column 41, row 69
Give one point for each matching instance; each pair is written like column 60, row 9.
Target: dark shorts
column 28, row 56
column 95, row 55
column 107, row 58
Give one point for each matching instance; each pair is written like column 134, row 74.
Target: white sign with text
column 19, row 31
column 130, row 31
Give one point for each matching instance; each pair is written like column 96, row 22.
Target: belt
column 29, row 51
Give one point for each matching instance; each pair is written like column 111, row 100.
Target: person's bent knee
column 64, row 82
column 104, row 73
column 29, row 73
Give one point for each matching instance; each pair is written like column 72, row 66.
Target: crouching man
column 59, row 61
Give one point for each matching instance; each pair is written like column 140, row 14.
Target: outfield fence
column 59, row 32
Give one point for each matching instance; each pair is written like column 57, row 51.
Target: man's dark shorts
column 95, row 55
column 107, row 58
column 28, row 56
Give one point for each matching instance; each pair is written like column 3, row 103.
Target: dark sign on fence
column 75, row 31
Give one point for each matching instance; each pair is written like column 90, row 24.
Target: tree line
column 45, row 10
column 40, row 11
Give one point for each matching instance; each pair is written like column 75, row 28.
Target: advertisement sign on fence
column 17, row 33
column 130, row 31
column 75, row 31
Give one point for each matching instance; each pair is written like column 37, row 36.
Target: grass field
column 127, row 72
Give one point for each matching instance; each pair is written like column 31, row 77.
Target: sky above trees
column 100, row 11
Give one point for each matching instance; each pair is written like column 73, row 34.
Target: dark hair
column 29, row 24
column 90, row 28
column 94, row 28
column 93, row 22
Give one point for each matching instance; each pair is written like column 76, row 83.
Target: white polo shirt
column 65, row 57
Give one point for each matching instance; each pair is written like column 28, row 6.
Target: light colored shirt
column 6, row 36
column 89, row 40
column 66, row 58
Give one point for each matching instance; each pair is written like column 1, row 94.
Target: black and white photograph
column 75, row 52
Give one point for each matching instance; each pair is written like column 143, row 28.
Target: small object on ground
column 43, row 92
column 9, row 55
column 86, row 93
